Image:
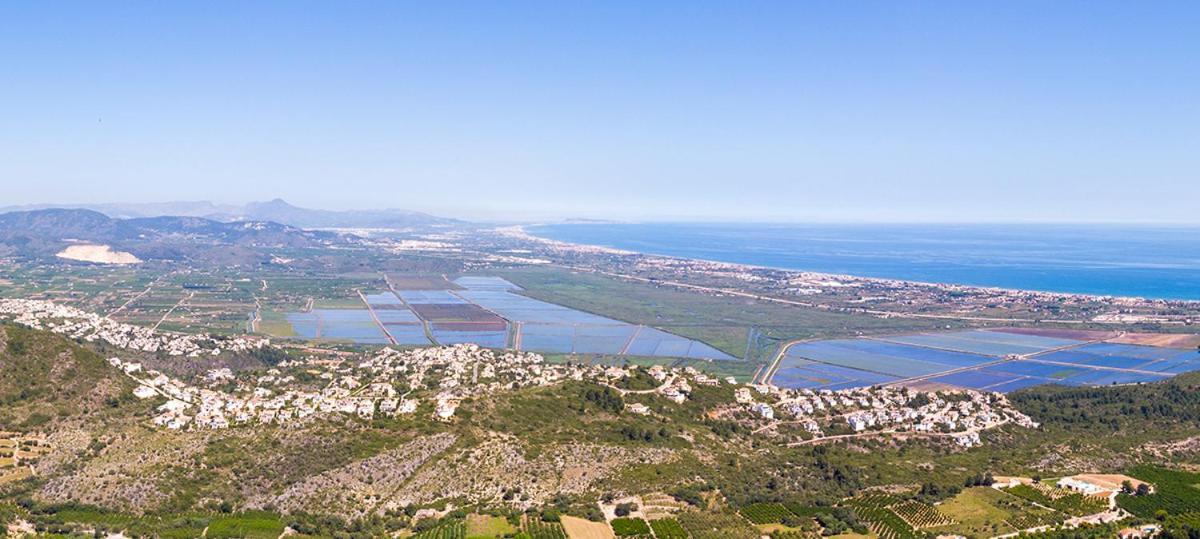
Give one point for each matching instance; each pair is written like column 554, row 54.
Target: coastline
column 521, row 232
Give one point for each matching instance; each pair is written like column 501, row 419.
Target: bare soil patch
column 578, row 528
column 1185, row 342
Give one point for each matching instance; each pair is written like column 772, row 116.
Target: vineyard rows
column 453, row 530
column 535, row 528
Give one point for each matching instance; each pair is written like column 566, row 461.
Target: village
column 90, row 327
column 384, row 384
column 826, row 415
column 365, row 389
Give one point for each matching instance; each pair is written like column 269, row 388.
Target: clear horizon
column 767, row 112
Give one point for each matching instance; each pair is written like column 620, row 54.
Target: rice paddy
column 999, row 360
column 489, row 312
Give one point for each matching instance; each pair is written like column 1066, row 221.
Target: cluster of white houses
column 368, row 388
column 960, row 413
column 90, row 327
column 365, row 389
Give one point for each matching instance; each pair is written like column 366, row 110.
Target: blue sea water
column 1119, row 260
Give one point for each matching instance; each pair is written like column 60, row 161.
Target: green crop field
column 985, row 511
column 1034, row 517
column 765, row 513
column 630, row 527
column 919, row 514
column 450, row 530
column 1175, row 492
column 1070, row 503
column 873, row 509
column 246, row 525
column 737, row 326
column 536, row 528
column 717, row 526
column 483, row 526
column 668, row 528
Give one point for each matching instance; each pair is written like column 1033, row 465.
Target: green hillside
column 46, row 377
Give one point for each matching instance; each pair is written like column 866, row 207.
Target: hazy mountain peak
column 277, row 210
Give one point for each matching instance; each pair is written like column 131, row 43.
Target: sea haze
column 1120, row 260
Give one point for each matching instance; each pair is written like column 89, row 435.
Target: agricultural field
column 456, row 529
column 403, row 281
column 716, row 525
column 18, row 454
column 247, row 525
column 873, row 509
column 1180, row 341
column 536, row 528
column 486, row 526
column 180, row 526
column 484, row 310
column 1014, row 360
column 765, row 513
column 739, row 327
column 985, row 511
column 668, row 528
column 92, row 287
column 1175, row 492
column 1034, row 517
column 630, row 527
column 660, row 506
column 550, row 327
column 578, row 528
column 1067, row 502
column 920, row 515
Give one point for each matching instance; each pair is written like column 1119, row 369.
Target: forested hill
column 46, row 378
column 1173, row 402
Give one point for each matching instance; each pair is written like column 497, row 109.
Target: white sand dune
column 100, row 254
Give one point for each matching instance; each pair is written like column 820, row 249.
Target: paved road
column 375, row 317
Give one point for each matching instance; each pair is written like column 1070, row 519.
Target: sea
column 1150, row 261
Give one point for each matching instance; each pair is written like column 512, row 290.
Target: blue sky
column 778, row 111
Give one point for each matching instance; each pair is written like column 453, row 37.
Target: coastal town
column 849, row 293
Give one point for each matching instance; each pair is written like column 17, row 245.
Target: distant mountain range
column 277, row 211
column 44, row 233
